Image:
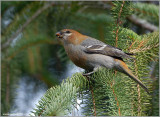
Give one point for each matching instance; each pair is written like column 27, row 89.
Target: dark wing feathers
column 98, row 47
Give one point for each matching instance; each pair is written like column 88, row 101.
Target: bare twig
column 37, row 13
column 142, row 23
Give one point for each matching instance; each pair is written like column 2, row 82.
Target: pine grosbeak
column 91, row 54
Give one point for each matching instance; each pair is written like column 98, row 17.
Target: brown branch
column 142, row 23
column 141, row 44
column 37, row 13
column 118, row 22
column 119, row 111
column 143, row 49
column 94, row 104
column 131, row 45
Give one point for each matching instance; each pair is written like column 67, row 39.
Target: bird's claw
column 87, row 74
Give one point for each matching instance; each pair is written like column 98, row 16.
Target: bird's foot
column 92, row 72
column 88, row 74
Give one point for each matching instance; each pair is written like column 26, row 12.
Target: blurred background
column 32, row 58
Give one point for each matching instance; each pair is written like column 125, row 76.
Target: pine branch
column 130, row 34
column 119, row 110
column 120, row 10
column 142, row 23
column 122, row 98
column 119, row 22
column 27, row 44
column 144, row 47
column 138, row 90
column 115, row 95
column 36, row 14
column 150, row 10
column 93, row 100
column 58, row 100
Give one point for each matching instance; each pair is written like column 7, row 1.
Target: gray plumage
column 93, row 46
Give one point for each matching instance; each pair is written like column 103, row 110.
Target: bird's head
column 65, row 33
column 70, row 36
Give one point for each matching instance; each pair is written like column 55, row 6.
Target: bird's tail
column 128, row 72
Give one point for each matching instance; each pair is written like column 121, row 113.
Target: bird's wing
column 97, row 47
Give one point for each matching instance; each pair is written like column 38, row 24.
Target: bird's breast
column 76, row 55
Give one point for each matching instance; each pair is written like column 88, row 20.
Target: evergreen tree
column 27, row 40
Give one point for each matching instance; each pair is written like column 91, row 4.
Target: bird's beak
column 59, row 35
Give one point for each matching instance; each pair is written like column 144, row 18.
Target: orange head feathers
column 71, row 36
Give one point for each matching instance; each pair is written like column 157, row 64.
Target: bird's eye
column 68, row 31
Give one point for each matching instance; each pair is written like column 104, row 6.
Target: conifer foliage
column 112, row 93
column 106, row 92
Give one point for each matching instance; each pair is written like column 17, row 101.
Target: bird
column 92, row 54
